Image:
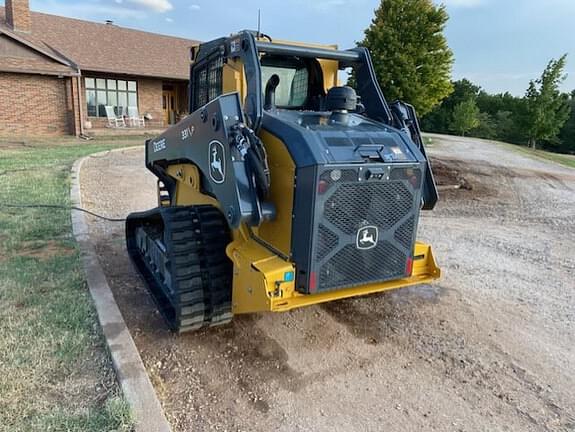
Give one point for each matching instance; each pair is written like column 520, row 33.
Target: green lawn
column 563, row 159
column 55, row 371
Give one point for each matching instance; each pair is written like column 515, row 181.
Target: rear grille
column 327, row 240
column 351, row 266
column 347, row 206
column 380, row 204
column 367, row 139
column 404, row 234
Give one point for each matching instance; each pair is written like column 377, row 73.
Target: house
column 57, row 74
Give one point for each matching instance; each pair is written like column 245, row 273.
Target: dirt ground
column 489, row 347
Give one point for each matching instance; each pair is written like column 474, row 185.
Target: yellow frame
column 259, row 284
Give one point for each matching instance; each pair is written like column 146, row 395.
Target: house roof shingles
column 30, row 65
column 109, row 48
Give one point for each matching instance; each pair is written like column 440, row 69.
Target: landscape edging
column 136, row 386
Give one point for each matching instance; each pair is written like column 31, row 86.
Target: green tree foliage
column 486, row 128
column 410, row 53
column 547, row 108
column 492, row 104
column 466, row 116
column 503, row 117
column 506, row 112
column 439, row 120
column 567, row 135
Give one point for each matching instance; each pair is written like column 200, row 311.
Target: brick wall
column 34, row 105
column 48, row 105
column 149, row 100
column 18, row 15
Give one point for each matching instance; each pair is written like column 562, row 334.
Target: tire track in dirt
column 454, row 357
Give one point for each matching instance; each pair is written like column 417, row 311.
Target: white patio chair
column 135, row 118
column 113, row 120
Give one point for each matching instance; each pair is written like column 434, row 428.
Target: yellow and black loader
column 281, row 189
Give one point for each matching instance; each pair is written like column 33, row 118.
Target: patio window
column 101, row 92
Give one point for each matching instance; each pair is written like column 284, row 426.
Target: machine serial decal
column 367, row 237
column 187, row 132
column 159, row 145
column 217, row 162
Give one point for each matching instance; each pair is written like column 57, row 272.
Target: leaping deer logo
column 217, row 162
column 367, row 237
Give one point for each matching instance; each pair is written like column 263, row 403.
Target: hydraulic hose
column 253, row 151
column 257, row 169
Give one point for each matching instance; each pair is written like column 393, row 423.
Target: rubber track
column 195, row 291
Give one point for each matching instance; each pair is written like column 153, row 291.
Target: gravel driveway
column 490, row 347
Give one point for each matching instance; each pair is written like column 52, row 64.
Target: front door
column 169, row 106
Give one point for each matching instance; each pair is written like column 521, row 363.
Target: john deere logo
column 217, row 162
column 367, row 237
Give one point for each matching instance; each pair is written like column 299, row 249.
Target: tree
column 466, row 116
column 439, row 120
column 493, row 103
column 410, row 53
column 507, row 112
column 567, row 135
column 509, row 126
column 547, row 108
column 486, row 128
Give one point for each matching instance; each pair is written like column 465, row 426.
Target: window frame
column 110, row 86
column 282, row 72
column 270, row 61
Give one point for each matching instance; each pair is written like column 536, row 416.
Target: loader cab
column 291, row 84
column 304, row 79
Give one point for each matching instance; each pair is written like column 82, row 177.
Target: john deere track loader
column 281, row 189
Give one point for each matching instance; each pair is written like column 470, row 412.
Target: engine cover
column 358, row 193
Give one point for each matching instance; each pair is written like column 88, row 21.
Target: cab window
column 292, row 91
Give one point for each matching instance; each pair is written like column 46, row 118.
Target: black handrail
column 308, row 52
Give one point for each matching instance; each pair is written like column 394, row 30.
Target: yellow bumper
column 259, row 280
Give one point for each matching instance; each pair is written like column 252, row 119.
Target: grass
column 55, row 371
column 427, row 141
column 562, row 159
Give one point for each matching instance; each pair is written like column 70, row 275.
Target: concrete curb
column 132, row 376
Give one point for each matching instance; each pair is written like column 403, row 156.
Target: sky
column 498, row 44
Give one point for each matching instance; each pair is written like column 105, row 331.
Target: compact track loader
column 281, row 189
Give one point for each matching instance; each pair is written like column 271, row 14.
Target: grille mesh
column 207, row 82
column 404, row 234
column 326, row 241
column 345, row 175
column 373, row 139
column 382, row 204
column 414, row 176
column 349, row 205
column 351, row 266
